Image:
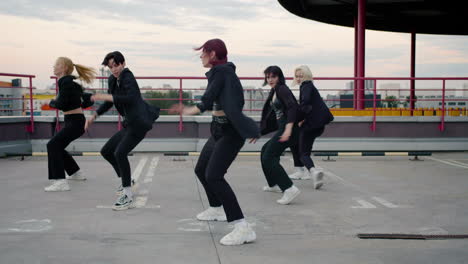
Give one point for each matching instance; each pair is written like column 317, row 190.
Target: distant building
column 11, row 97
column 41, row 99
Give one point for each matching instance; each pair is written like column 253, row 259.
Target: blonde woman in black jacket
column 70, row 100
column 313, row 116
column 279, row 114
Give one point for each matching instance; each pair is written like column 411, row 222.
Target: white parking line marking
column 449, row 163
column 385, row 202
column 141, row 165
column 363, row 204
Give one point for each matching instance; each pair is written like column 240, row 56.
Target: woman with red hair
column 224, row 96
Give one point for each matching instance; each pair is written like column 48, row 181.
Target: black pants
column 116, row 150
column 271, row 154
column 306, row 140
column 217, row 155
column 59, row 159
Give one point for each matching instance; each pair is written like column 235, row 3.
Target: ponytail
column 86, row 74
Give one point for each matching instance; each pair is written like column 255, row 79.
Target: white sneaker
column 300, row 174
column 123, row 203
column 289, row 195
column 58, row 186
column 212, row 214
column 77, row 176
column 275, row 189
column 241, row 234
column 318, row 177
column 120, row 190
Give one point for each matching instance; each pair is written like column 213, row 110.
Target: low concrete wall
column 344, row 134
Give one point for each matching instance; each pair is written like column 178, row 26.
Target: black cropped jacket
column 225, row 88
column 128, row 102
column 290, row 107
column 70, row 95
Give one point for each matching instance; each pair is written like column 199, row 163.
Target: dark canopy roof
column 420, row 16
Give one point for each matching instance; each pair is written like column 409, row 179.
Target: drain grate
column 410, row 236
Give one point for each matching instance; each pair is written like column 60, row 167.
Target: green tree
column 165, row 100
column 407, row 103
column 391, row 101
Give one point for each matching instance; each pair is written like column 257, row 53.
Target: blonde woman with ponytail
column 71, row 100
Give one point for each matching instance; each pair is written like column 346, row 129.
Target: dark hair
column 218, row 47
column 116, row 55
column 275, row 71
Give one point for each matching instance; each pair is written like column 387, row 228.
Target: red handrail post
column 119, row 123
column 373, row 126
column 181, row 125
column 30, row 128
column 442, row 118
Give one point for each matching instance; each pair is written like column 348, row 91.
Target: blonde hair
column 87, row 74
column 305, row 71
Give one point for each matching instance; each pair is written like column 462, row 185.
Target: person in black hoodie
column 314, row 115
column 279, row 114
column 124, row 94
column 70, row 99
column 224, row 95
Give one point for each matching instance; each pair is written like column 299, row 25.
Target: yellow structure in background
column 399, row 112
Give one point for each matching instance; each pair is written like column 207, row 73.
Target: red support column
column 361, row 46
column 413, row 72
column 355, row 62
column 30, row 128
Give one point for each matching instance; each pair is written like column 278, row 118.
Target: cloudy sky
column 157, row 38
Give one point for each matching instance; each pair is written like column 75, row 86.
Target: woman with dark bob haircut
column 224, row 96
column 279, row 114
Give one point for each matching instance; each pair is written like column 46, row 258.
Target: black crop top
column 277, row 107
column 70, row 95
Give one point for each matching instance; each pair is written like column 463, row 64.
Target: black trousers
column 306, row 140
column 116, row 150
column 215, row 158
column 271, row 154
column 59, row 160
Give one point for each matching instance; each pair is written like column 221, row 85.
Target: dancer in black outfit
column 70, row 100
column 138, row 116
column 279, row 114
column 229, row 129
column 314, row 115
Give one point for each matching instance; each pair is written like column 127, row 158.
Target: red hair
column 218, row 47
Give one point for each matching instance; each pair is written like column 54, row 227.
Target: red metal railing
column 374, row 100
column 30, row 127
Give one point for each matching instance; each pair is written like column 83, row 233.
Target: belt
column 221, row 119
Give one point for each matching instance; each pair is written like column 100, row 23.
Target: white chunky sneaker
column 120, row 189
column 212, row 214
column 298, row 174
column 241, row 234
column 123, row 203
column 275, row 189
column 317, row 174
column 289, row 195
column 58, row 186
column 77, row 176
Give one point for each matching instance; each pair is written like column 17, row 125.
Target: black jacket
column 225, row 88
column 70, row 95
column 128, row 102
column 312, row 108
column 290, row 107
